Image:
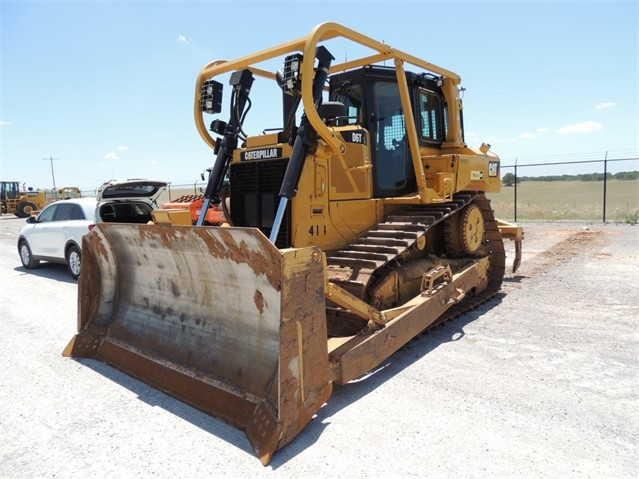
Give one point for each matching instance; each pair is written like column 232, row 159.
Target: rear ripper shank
column 346, row 236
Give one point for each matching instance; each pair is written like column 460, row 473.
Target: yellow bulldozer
column 355, row 224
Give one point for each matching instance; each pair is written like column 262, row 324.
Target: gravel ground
column 541, row 382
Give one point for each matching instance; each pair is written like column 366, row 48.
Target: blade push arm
column 241, row 82
column 305, row 141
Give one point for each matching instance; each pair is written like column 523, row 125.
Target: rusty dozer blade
column 217, row 317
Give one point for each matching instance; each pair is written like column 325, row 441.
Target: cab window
column 431, row 115
column 352, row 97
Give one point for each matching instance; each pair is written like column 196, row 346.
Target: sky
column 92, row 91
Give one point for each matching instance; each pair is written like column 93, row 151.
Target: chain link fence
column 595, row 190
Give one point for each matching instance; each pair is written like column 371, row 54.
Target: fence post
column 515, row 205
column 605, row 185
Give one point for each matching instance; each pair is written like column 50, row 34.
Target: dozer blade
column 217, row 317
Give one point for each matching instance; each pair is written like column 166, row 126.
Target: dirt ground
column 541, row 382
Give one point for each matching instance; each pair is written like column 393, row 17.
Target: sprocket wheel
column 472, row 229
column 465, row 232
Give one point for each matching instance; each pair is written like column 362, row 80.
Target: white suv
column 55, row 235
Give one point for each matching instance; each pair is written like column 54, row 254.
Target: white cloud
column 4, row 123
column 112, row 155
column 583, row 127
column 184, row 40
column 608, row 104
column 526, row 135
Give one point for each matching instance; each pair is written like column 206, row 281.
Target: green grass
column 569, row 200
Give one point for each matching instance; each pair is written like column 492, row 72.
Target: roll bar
column 308, row 45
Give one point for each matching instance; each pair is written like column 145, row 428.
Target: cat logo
column 263, row 154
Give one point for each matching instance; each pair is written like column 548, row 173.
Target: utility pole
column 50, row 159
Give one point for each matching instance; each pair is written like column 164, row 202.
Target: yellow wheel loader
column 355, row 224
column 20, row 203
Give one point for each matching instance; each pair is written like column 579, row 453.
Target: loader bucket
column 216, row 317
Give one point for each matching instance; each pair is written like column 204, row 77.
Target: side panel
column 448, row 174
column 478, row 172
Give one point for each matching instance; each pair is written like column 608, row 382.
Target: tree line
column 509, row 178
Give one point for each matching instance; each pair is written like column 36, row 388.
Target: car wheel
column 74, row 261
column 26, row 257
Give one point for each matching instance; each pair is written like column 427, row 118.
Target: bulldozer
column 20, row 203
column 67, row 192
column 354, row 225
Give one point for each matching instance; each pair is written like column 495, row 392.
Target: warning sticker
column 493, row 169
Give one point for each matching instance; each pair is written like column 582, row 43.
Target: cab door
column 393, row 173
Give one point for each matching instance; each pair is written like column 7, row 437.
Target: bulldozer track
column 354, row 268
